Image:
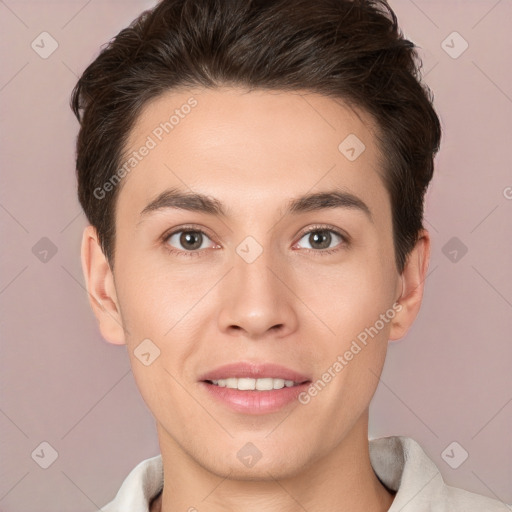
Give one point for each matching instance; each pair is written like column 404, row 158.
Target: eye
column 186, row 241
column 320, row 239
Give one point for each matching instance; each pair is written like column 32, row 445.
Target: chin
column 268, row 471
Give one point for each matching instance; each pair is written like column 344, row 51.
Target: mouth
column 254, row 376
column 254, row 388
column 251, row 384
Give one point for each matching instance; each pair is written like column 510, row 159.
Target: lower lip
column 255, row 402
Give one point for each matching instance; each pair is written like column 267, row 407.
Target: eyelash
column 323, row 252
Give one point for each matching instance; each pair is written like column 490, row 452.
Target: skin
column 254, row 151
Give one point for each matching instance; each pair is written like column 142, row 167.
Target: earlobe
column 413, row 282
column 100, row 285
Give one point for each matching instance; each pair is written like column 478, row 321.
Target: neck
column 342, row 480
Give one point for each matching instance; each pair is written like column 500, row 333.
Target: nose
column 257, row 300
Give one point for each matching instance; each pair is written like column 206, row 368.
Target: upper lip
column 255, row 371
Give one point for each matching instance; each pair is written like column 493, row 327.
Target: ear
column 99, row 281
column 413, row 281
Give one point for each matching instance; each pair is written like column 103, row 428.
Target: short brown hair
column 352, row 50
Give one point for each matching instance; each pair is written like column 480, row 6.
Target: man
column 254, row 173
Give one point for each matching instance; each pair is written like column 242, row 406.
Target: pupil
column 322, row 235
column 188, row 237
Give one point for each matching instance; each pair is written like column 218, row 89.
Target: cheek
column 151, row 298
column 360, row 309
column 164, row 307
column 355, row 297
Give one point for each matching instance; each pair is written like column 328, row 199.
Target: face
column 307, row 286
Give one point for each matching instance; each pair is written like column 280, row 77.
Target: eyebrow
column 197, row 202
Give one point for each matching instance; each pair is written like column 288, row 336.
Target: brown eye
column 191, row 240
column 187, row 240
column 321, row 240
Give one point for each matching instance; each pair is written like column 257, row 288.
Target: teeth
column 244, row 383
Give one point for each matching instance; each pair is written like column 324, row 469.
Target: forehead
column 250, row 148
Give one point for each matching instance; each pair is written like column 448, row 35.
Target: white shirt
column 399, row 462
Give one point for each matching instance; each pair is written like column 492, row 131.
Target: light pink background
column 448, row 380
